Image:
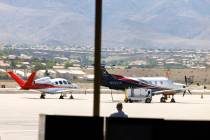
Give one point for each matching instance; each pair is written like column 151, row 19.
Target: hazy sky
column 126, row 23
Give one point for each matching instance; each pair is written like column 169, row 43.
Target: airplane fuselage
column 163, row 83
column 44, row 84
column 51, row 86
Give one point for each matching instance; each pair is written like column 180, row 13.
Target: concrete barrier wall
column 80, row 127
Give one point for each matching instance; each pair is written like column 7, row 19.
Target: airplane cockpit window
column 65, row 82
column 60, row 82
column 56, row 83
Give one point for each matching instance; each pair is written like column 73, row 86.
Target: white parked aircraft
column 158, row 85
column 164, row 86
column 44, row 85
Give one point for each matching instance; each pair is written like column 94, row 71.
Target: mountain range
column 126, row 23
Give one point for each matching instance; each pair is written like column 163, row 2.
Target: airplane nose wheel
column 71, row 97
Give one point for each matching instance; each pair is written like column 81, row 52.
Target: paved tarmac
column 19, row 113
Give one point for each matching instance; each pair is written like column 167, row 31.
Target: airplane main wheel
column 126, row 100
column 61, row 97
column 148, row 100
column 42, row 96
column 162, row 99
column 130, row 101
column 173, row 100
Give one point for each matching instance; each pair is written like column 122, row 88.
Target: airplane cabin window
column 65, row 82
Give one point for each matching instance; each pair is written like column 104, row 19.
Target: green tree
column 38, row 66
column 13, row 64
column 68, row 64
column 46, row 73
column 4, row 76
column 50, row 64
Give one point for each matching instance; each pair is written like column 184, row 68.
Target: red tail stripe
column 30, row 80
column 20, row 81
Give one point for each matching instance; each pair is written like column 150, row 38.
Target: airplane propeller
column 185, row 92
column 187, row 80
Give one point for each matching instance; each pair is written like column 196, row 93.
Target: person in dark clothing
column 119, row 112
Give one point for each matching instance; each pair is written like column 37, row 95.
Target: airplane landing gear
column 173, row 100
column 61, row 97
column 126, row 96
column 130, row 101
column 126, row 100
column 163, row 99
column 71, row 97
column 42, row 96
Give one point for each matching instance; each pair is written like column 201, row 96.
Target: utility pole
column 97, row 58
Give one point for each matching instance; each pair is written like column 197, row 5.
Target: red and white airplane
column 44, row 85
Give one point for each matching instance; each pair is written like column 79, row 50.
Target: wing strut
column 126, row 95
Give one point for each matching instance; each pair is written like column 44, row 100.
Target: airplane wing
column 139, row 83
column 65, row 90
column 168, row 91
column 180, row 91
column 126, row 79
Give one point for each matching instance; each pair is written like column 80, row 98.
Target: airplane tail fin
column 19, row 80
column 23, row 84
column 104, row 71
column 106, row 77
column 106, row 74
column 30, row 80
